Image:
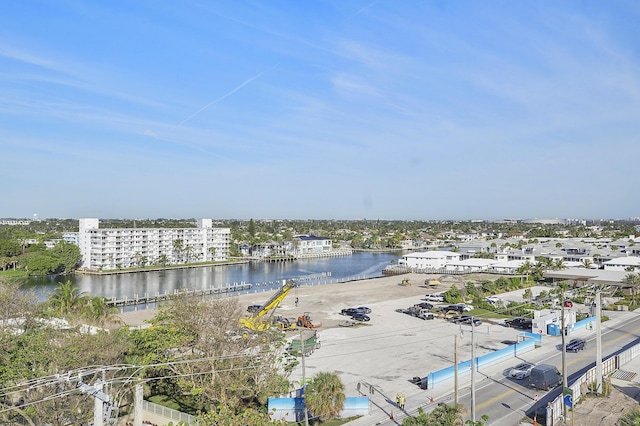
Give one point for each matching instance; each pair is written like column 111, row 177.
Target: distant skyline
column 336, row 109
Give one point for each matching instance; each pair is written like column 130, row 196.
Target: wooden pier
column 147, row 299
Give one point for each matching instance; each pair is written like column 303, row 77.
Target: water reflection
column 267, row 274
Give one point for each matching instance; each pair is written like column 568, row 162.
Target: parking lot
column 392, row 348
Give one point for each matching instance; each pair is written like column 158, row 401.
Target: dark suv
column 519, row 322
column 457, row 308
column 576, row 345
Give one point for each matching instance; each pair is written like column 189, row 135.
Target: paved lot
column 386, row 352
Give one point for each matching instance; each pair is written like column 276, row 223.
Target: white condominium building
column 115, row 248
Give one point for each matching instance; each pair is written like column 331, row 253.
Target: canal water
column 262, row 276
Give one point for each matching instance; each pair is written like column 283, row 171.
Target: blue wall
column 486, row 360
column 292, row 409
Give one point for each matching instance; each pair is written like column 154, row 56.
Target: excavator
column 258, row 322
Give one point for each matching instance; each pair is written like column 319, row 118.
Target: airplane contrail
column 226, row 95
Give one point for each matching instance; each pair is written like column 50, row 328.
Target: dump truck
column 306, row 343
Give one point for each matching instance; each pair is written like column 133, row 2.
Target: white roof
column 474, row 262
column 625, row 261
column 431, row 255
column 509, row 264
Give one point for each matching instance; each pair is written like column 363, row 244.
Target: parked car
column 350, row 311
column 423, row 305
column 437, row 297
column 493, row 299
column 254, row 308
column 568, row 304
column 575, row 345
column 521, row 371
column 466, row 319
column 519, row 322
column 360, row 317
column 465, row 307
column 456, row 308
column 354, row 311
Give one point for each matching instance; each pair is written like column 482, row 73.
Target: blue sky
column 337, row 109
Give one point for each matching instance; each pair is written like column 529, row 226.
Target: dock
column 147, row 299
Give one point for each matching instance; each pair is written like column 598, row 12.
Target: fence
column 609, row 366
column 169, row 413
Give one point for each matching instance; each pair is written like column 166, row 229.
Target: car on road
column 437, row 297
column 568, row 304
column 544, row 377
column 521, row 371
column 519, row 322
column 575, row 345
column 360, row 317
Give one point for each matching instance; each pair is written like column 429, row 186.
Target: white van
column 436, row 297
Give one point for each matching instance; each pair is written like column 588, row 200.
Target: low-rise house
column 471, row 265
column 429, row 259
column 629, row 263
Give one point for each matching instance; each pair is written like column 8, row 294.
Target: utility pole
column 473, row 371
column 564, row 356
column 304, row 380
column 598, row 344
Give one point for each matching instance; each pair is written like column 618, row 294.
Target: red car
column 568, row 304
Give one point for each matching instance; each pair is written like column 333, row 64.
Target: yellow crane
column 257, row 321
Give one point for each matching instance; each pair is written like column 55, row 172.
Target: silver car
column 521, row 371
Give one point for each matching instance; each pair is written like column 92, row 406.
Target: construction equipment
column 257, row 321
column 283, row 323
column 304, row 320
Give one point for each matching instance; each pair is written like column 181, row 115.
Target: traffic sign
column 568, row 400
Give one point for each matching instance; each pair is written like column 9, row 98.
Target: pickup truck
column 417, row 312
column 519, row 322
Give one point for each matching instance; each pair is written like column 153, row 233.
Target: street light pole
column 564, row 356
column 473, row 372
column 598, row 344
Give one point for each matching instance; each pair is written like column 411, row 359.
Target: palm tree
column 525, row 269
column 99, row 311
column 324, row 397
column 586, row 263
column 558, row 264
column 66, row 298
column 633, row 282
